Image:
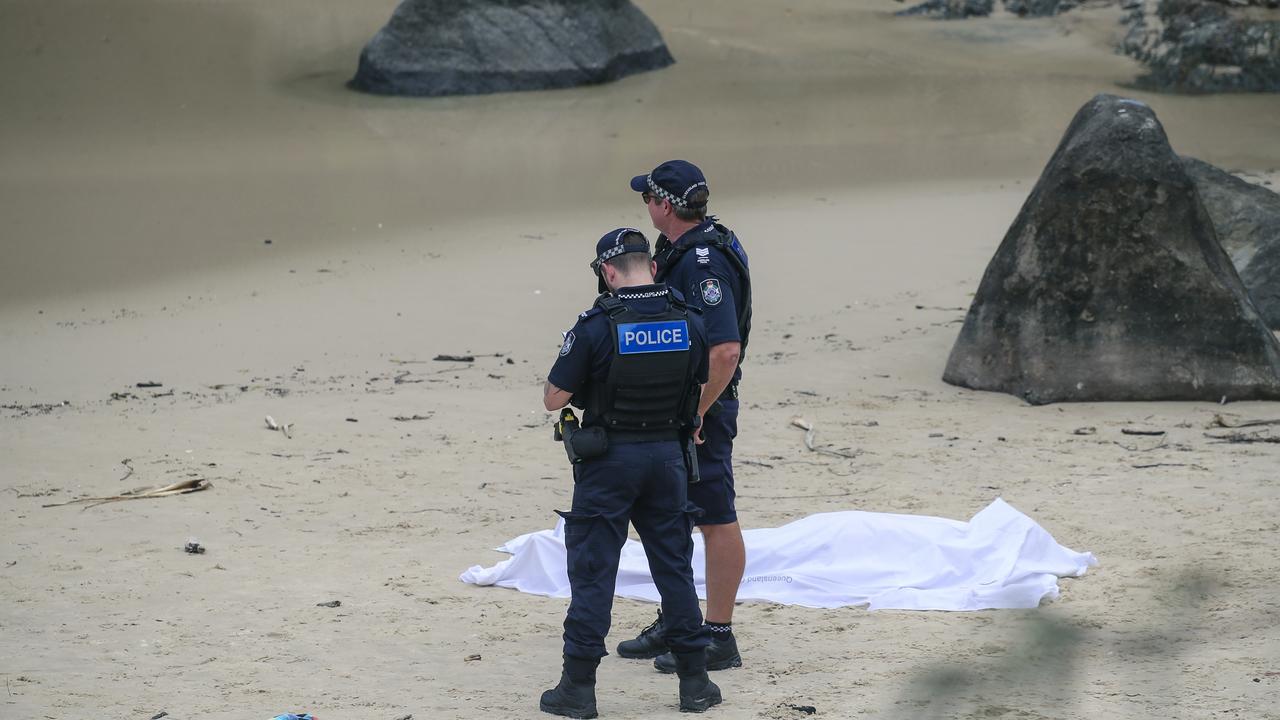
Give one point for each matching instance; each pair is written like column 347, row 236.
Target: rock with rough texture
column 468, row 47
column 1111, row 284
column 1247, row 220
column 1039, row 8
column 1197, row 46
column 950, row 9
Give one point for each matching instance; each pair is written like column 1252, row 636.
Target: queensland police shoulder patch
column 567, row 346
column 711, row 292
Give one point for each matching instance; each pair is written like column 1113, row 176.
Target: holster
column 689, row 449
column 587, row 443
column 579, row 444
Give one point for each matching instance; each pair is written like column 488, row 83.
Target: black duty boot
column 722, row 654
column 697, row 692
column 575, row 696
column 647, row 644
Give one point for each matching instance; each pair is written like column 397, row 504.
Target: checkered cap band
column 682, row 201
column 619, row 248
column 612, row 252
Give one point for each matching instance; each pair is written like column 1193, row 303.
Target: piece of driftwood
column 1244, row 438
column 179, row 488
column 1135, row 431
column 1225, row 422
column 282, row 427
column 810, row 432
column 1156, row 465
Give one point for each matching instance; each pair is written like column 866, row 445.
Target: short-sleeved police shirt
column 587, row 351
column 710, row 282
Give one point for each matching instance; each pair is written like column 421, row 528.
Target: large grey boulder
column 1247, row 220
column 1040, row 8
column 467, row 47
column 949, row 9
column 964, row 9
column 1111, row 284
column 1197, row 46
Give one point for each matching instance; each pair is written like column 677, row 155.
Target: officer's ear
column 653, row 268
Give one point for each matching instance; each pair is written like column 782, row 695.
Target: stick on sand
column 809, row 433
column 178, row 488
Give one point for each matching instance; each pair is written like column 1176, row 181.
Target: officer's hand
column 697, row 436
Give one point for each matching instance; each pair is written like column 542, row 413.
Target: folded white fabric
column 999, row 559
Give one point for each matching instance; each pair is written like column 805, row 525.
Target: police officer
column 634, row 362
column 703, row 259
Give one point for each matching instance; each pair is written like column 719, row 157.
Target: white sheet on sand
column 999, row 559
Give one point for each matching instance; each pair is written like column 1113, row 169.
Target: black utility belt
column 730, row 393
column 639, row 436
column 592, row 442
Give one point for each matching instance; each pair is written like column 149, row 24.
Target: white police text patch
column 567, row 347
column 653, row 337
column 711, row 292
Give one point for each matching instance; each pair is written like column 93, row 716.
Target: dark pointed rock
column 1111, row 284
column 1247, row 220
column 467, row 47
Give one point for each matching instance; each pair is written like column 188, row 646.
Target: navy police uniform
column 709, row 265
column 619, row 361
column 698, row 263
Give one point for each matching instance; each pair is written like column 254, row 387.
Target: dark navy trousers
column 643, row 483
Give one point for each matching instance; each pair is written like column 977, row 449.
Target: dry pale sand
column 147, row 150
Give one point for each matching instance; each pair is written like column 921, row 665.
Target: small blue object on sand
column 298, row 716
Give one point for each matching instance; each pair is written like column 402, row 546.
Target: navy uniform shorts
column 715, row 494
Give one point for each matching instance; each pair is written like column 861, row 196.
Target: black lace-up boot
column 697, row 692
column 575, row 696
column 647, row 644
column 722, row 654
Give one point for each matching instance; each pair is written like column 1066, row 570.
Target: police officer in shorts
column 703, row 259
column 634, row 362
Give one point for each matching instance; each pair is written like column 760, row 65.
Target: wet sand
column 872, row 165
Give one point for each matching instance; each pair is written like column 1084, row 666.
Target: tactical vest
column 668, row 255
column 650, row 384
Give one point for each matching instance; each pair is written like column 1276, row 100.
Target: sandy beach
column 871, row 164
